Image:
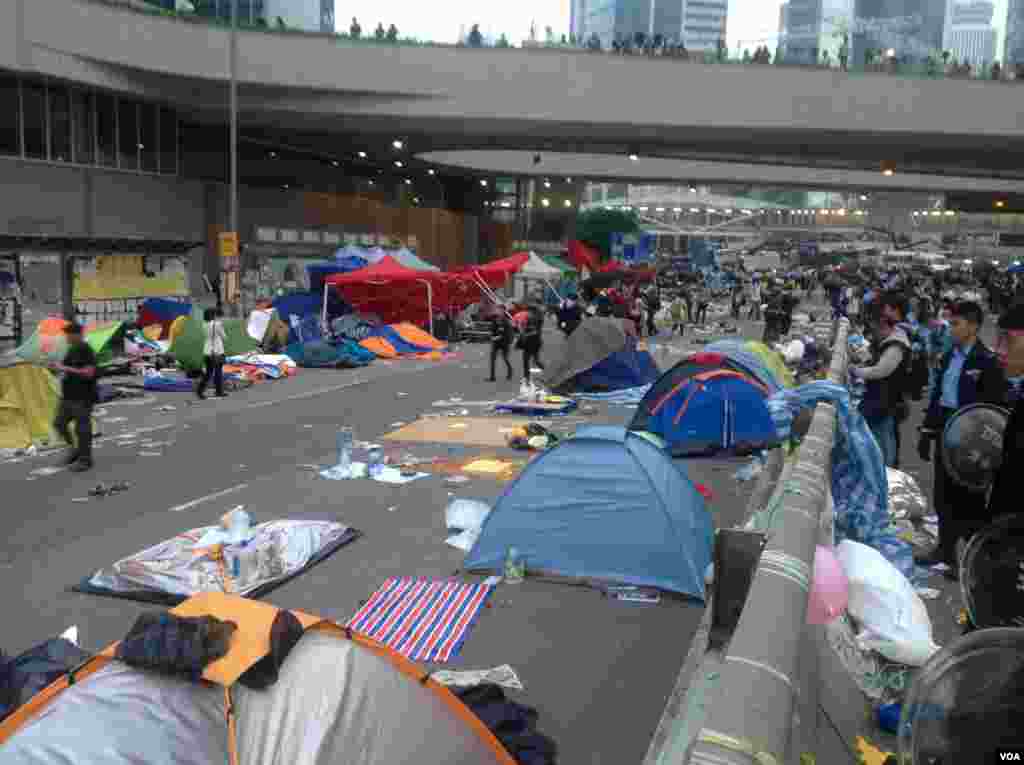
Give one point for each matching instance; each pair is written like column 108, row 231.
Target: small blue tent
column 711, row 412
column 606, row 505
column 628, row 368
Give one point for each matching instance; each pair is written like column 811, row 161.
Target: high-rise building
column 816, row 27
column 783, row 27
column 912, row 30
column 307, row 15
column 1013, row 55
column 698, row 24
column 969, row 33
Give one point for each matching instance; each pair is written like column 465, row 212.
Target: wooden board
column 471, row 431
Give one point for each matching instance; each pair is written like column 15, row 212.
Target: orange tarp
column 413, row 334
column 380, row 347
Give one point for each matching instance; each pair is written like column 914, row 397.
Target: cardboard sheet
column 472, row 431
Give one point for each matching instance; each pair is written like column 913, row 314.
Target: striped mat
column 422, row 619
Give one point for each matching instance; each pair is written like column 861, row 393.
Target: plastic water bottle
column 346, row 437
column 236, row 555
column 514, row 568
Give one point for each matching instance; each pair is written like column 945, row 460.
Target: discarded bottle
column 346, row 437
column 515, row 569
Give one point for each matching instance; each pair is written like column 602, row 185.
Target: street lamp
column 233, row 141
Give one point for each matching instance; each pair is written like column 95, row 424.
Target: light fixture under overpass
column 695, row 209
column 397, row 144
column 633, row 157
column 950, row 213
column 362, row 155
column 431, row 171
column 568, row 203
column 545, row 202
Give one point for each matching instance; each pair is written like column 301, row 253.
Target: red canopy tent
column 584, row 256
column 391, row 291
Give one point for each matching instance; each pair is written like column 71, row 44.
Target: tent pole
column 430, row 304
column 324, row 319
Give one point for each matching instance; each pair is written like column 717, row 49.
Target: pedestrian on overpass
column 969, row 374
column 78, row 397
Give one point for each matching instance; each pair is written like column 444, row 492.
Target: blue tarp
column 320, row 271
column 628, row 368
column 166, row 310
column 605, row 505
column 320, row 354
column 709, row 414
column 306, row 305
column 860, row 487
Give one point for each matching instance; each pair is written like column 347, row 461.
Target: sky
column 750, row 23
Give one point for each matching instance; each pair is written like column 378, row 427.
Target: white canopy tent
column 535, row 272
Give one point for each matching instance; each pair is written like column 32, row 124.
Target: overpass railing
column 766, row 675
column 932, row 67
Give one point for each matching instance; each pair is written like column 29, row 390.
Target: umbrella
column 1015, row 269
column 520, row 318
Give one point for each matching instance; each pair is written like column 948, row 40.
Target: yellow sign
column 228, row 242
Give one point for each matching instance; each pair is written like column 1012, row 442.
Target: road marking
column 207, row 498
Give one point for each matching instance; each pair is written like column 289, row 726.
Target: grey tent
column 601, row 356
column 338, row 697
column 594, row 340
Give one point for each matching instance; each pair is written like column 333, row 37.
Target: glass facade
column 911, row 29
column 51, row 121
column 1014, row 50
column 815, row 28
column 697, row 23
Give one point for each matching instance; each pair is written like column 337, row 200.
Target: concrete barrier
column 740, row 706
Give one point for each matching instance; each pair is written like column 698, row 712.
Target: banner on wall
column 112, row 277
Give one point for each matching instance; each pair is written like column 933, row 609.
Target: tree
column 475, row 40
column 595, row 228
column 778, row 54
column 572, row 39
column 595, row 42
column 549, row 35
column 281, row 24
column 721, row 50
column 746, row 55
column 997, row 71
column 564, row 41
column 639, row 39
column 392, row 35
column 502, row 42
column 355, row 31
column 379, row 32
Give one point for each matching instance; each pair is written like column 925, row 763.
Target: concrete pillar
column 471, row 246
column 67, row 286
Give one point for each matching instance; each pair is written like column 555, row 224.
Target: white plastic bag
column 894, row 618
column 465, row 516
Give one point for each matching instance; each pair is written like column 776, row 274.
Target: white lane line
column 207, row 498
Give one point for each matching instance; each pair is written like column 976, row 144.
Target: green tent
column 48, row 343
column 187, row 348
column 556, row 262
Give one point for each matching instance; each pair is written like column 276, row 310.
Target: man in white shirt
column 213, row 353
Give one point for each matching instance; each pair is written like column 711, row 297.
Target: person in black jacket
column 886, row 379
column 969, row 374
column 569, row 315
column 501, row 340
column 531, row 340
column 78, row 397
column 1005, row 496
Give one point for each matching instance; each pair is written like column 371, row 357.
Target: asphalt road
column 599, row 671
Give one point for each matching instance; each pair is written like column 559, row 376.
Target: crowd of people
column 926, row 347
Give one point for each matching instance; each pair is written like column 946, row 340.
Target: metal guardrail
column 751, row 717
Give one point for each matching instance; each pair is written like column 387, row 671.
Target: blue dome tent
column 606, row 505
column 707, row 412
